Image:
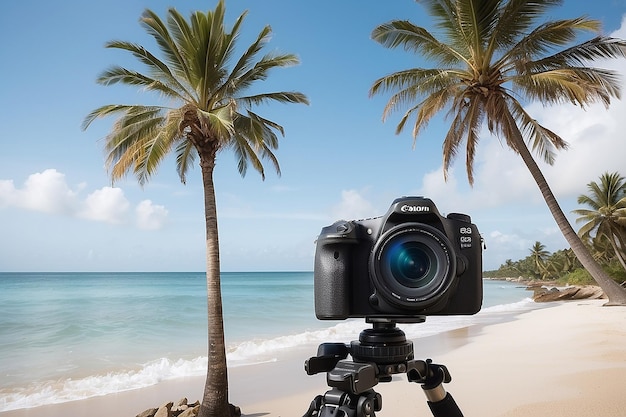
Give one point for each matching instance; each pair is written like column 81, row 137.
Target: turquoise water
column 66, row 336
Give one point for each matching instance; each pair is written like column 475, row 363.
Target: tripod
column 380, row 352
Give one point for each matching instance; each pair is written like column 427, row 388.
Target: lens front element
column 412, row 265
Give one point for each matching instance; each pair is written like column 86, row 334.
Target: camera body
column 411, row 262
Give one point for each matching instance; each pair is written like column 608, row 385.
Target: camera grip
column 332, row 287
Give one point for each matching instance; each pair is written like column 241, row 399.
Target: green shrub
column 577, row 277
column 582, row 277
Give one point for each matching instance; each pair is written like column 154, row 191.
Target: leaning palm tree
column 491, row 55
column 606, row 217
column 207, row 109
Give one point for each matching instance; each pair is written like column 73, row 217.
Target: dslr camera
column 410, row 263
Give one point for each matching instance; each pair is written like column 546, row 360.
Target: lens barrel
column 412, row 265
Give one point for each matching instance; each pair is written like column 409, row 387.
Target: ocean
column 69, row 336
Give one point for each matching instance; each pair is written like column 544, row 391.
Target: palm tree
column 207, row 110
column 559, row 264
column 491, row 54
column 606, row 218
column 539, row 254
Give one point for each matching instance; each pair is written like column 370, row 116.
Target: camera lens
column 412, row 265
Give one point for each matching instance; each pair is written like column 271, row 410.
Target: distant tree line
column 603, row 231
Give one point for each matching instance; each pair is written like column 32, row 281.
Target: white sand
column 565, row 360
column 568, row 360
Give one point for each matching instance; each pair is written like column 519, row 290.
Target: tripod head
column 384, row 348
column 380, row 352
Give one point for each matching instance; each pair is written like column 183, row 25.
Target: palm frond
column 259, row 71
column 416, row 39
column 587, row 201
column 543, row 141
column 270, row 61
column 185, row 158
column 547, row 38
column 167, row 45
column 245, row 154
column 579, row 85
column 427, row 109
column 455, row 134
column 139, row 141
column 473, row 121
column 245, row 62
column 103, row 111
column 580, row 55
column 476, row 20
column 122, row 75
column 504, row 126
column 280, row 97
column 254, row 140
column 266, row 129
column 414, row 84
column 190, row 46
column 465, row 126
column 158, row 70
column 516, row 17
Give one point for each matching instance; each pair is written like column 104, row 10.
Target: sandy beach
column 568, row 359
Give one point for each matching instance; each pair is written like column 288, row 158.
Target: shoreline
column 562, row 359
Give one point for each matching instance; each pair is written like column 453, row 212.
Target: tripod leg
column 445, row 407
column 439, row 401
column 314, row 407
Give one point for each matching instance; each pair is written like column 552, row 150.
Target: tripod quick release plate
column 353, row 377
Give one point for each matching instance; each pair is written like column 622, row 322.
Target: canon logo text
column 414, row 209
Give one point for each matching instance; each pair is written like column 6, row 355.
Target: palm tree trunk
column 615, row 293
column 215, row 397
column 614, row 239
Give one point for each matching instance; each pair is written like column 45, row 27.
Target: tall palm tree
column 207, row 109
column 539, row 254
column 491, row 55
column 606, row 217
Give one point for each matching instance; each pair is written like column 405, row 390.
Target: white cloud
column 48, row 192
column 150, row 216
column 435, row 187
column 353, row 206
column 503, row 180
column 511, row 240
column 7, row 193
column 596, row 139
column 621, row 32
column 45, row 192
column 107, row 205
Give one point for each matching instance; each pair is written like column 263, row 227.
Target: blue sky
column 60, row 212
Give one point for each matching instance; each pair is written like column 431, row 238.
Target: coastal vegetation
column 561, row 266
column 603, row 231
column 491, row 58
column 204, row 106
column 605, row 217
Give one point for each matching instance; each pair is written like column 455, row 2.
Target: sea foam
column 240, row 354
